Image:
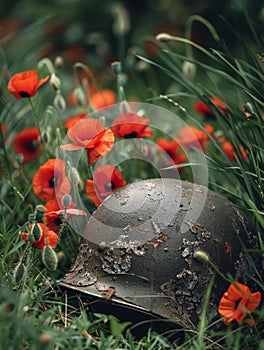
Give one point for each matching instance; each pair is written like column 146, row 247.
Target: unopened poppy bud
column 116, row 67
column 201, row 256
column 40, row 208
column 248, row 110
column 36, row 231
column 74, row 176
column 55, row 82
column 44, row 137
column 39, row 211
column 164, row 37
column 19, row 272
column 49, row 258
column 189, row 69
column 58, row 62
column 59, row 102
column 31, row 217
column 80, row 96
column 66, row 200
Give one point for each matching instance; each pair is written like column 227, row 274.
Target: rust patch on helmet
column 159, row 240
column 110, row 293
column 228, row 249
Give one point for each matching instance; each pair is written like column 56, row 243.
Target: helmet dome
column 138, row 250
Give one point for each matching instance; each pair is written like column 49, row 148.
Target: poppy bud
column 74, row 176
column 31, row 217
column 80, row 96
column 39, row 212
column 58, row 62
column 66, row 200
column 59, row 102
column 116, row 67
column 49, row 258
column 19, row 272
column 248, row 110
column 36, row 231
column 189, row 69
column 40, row 208
column 55, row 82
column 164, row 37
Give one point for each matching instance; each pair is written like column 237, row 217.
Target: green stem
column 80, row 65
column 35, row 113
column 219, row 272
column 2, row 143
column 188, row 30
column 38, row 126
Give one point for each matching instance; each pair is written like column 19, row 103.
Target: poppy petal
column 25, row 84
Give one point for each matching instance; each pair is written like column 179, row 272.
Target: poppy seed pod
column 143, row 242
column 55, row 82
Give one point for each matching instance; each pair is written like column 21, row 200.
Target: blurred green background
column 88, row 29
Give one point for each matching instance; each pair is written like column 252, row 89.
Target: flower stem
column 219, row 272
column 34, row 113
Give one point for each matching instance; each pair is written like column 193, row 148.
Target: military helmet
column 138, row 252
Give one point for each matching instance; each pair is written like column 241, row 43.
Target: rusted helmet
column 139, row 248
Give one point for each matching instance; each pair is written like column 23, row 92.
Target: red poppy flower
column 91, row 134
column 28, row 144
column 202, row 108
column 172, row 148
column 69, row 122
column 106, row 179
column 50, row 180
column 130, row 125
column 231, row 153
column 103, row 98
column 190, row 136
column 54, row 212
column 47, row 236
column 25, row 84
column 237, row 302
